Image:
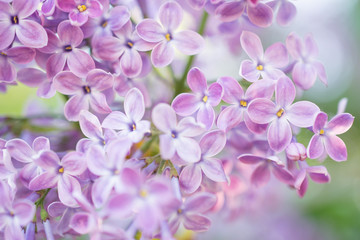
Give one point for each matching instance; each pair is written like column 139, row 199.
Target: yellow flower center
column 143, row 193
column 179, row 211
column 205, row 98
column 15, row 20
column 280, row 112
column 133, row 127
column 243, row 103
column 105, row 23
column 68, row 48
column 81, row 8
column 3, row 54
column 321, row 132
column 87, row 89
column 61, row 170
column 130, row 44
column 260, row 67
column 168, row 37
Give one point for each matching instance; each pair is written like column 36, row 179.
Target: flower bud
column 296, row 151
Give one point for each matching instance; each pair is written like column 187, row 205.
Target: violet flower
column 84, row 92
column 166, row 36
column 232, row 115
column 280, row 113
column 261, row 175
column 17, row 55
column 325, row 136
column 201, row 101
column 64, row 51
column 130, row 123
column 263, row 64
column 286, row 11
column 258, row 13
column 80, row 10
column 177, row 136
column 306, row 67
column 14, row 22
column 191, row 176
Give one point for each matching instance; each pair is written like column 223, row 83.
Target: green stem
column 180, row 84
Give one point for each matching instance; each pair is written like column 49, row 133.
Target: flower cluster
column 146, row 144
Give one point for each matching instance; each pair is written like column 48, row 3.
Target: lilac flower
column 64, row 51
column 166, row 36
column 191, row 213
column 279, row 114
column 325, row 136
column 65, row 213
column 60, row 173
column 306, row 67
column 126, row 47
column 19, row 55
column 48, row 7
column 286, row 11
column 80, row 10
column 14, row 214
column 263, row 64
column 177, row 136
column 296, row 151
column 130, row 123
column 202, row 101
column 258, row 13
column 85, row 92
column 7, row 169
column 191, row 176
column 318, row 174
column 232, row 115
column 13, row 21
column 22, row 152
column 261, row 175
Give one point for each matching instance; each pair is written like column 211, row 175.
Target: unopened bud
column 296, row 151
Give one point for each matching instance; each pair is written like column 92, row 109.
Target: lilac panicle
column 325, row 138
column 202, row 100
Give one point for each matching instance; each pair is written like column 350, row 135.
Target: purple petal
column 335, row 147
column 31, row 77
column 260, row 89
column 167, row 146
column 215, row 94
column 119, row 16
column 190, row 178
column 254, row 127
column 43, row 181
column 7, row 70
column 101, row 190
column 318, row 174
column 24, row 8
column 164, row 117
column 212, row 143
column 320, row 71
column 188, row 149
column 69, row 34
column 251, row 159
column 279, row 134
column 316, row 147
column 320, row 122
column 304, row 75
column 56, row 209
column 78, row 18
column 340, row 123
column 31, row 34
column 251, row 44
column 282, row 174
column 276, row 55
column 7, row 34
column 186, row 104
column 310, row 46
column 67, row 5
column 48, row 160
column 90, row 125
column 41, row 144
column 284, row 92
column 261, row 175
column 213, row 169
column 120, row 205
column 21, row 55
column 196, row 80
column 231, row 11
column 170, row 14
column 55, row 64
column 261, row 15
column 67, row 185
column 272, row 73
column 74, row 106
column 53, row 44
column 97, row 162
column 206, row 115
column 262, row 111
column 99, row 79
column 294, row 45
column 131, row 63
column 248, row 71
column 24, row 210
column 48, row 8
column 188, row 42
column 162, row 54
column 67, row 83
column 95, row 9
column 189, row 128
column 116, row 120
column 196, row 222
column 20, row 150
column 80, row 62
column 233, row 92
column 134, row 105
column 302, row 114
column 200, row 202
column 150, row 30
column 286, row 13
column 83, row 222
column 98, row 103
column 74, row 163
column 108, row 48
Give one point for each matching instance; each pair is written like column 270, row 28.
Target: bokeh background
column 328, row 211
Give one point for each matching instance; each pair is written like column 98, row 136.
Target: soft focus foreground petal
column 7, row 71
column 120, row 205
column 74, row 106
column 233, row 92
column 304, row 75
column 90, row 125
column 67, row 83
column 248, row 71
column 101, row 190
column 262, row 111
column 186, row 104
column 150, row 30
column 318, row 174
column 251, row 44
column 13, row 231
column 170, row 14
column 31, row 77
column 251, row 159
column 284, row 92
column 294, row 45
column 206, row 116
column 20, row 150
column 213, row 169
column 261, row 15
column 196, row 222
column 80, row 62
column 286, row 13
column 279, row 134
column 97, row 162
column 31, row 34
column 162, row 54
column 276, row 55
column 336, row 148
column 316, row 147
column 188, row 149
column 200, row 202
column 282, row 174
column 212, row 143
column 24, row 210
column 302, row 114
column 230, row 11
column 164, row 117
column 340, row 123
column 190, row 178
column 7, row 34
column 320, row 71
column 69, row 34
column 83, row 222
column 134, row 104
column 188, row 42
column 261, row 175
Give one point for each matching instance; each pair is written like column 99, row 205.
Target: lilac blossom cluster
column 133, row 163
